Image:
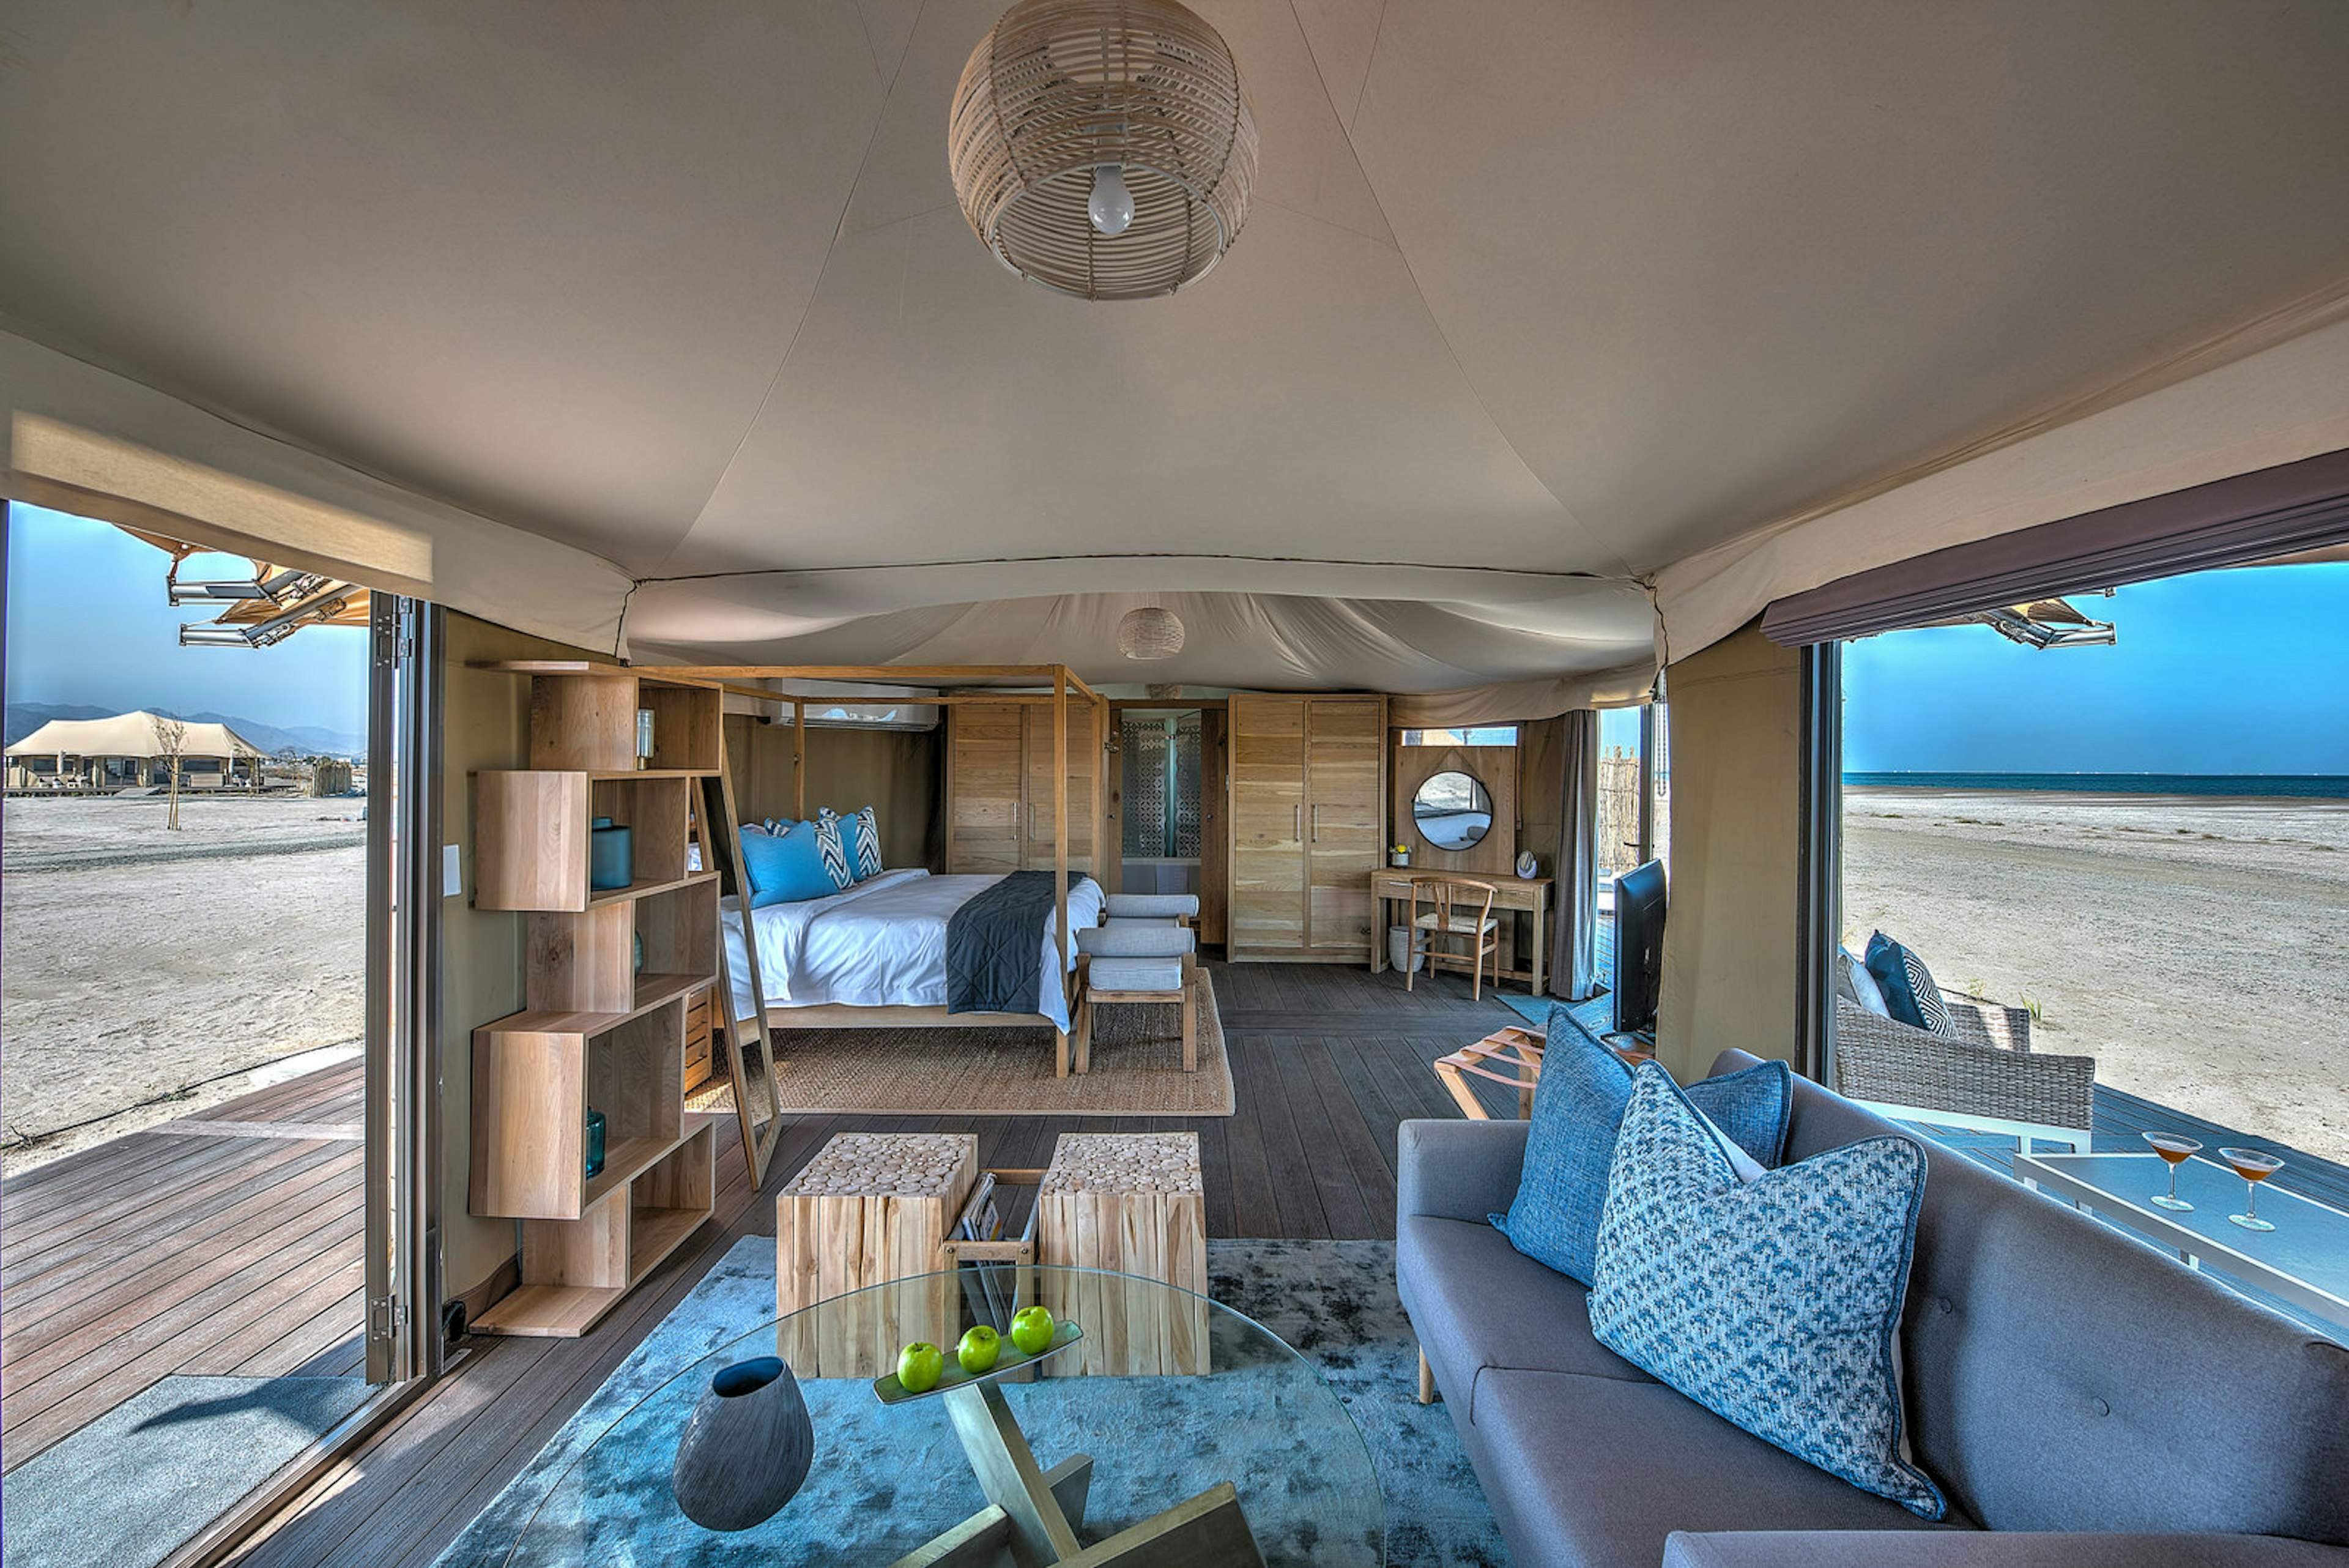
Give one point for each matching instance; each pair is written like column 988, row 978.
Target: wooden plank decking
column 229, row 1244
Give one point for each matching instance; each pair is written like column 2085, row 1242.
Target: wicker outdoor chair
column 1985, row 1077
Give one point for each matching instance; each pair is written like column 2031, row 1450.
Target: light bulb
column 1112, row 206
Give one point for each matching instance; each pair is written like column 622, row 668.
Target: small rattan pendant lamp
column 1103, row 148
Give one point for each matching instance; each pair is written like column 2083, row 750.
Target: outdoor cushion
column 1991, row 1549
column 1451, row 1273
column 1136, row 974
column 1774, row 1302
column 1910, row 996
column 1856, row 985
column 1596, row 1472
column 1577, row 1108
column 785, row 868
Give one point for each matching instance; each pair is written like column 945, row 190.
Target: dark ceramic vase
column 746, row 1449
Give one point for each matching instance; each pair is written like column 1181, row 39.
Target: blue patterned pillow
column 866, row 850
column 1775, row 1303
column 1571, row 1148
column 1909, row 994
column 838, row 861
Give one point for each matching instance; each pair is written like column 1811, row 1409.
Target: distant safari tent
column 130, row 751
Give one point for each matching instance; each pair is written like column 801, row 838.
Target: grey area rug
column 128, row 1489
column 1334, row 1302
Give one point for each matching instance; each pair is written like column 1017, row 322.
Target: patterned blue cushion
column 1909, row 994
column 837, row 862
column 866, row 850
column 1775, row 1303
column 1570, row 1147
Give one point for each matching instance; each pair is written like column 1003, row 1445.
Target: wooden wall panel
column 1496, row 767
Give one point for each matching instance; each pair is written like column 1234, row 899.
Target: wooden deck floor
column 225, row 1244
column 1325, row 1061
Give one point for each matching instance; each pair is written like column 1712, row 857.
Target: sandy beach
column 2197, row 947
column 146, row 973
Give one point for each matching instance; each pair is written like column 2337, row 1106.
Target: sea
column 2297, row 786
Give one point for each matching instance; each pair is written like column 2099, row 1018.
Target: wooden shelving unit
column 598, row 1029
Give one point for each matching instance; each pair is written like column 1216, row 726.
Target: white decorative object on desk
column 1526, row 867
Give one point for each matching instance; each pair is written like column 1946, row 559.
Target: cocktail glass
column 2175, row 1150
column 2254, row 1168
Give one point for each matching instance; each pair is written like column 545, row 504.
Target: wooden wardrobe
column 999, row 786
column 1308, row 825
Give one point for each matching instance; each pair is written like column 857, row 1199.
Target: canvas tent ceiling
column 1542, row 304
column 131, row 735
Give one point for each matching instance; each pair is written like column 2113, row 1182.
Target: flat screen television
column 1638, row 947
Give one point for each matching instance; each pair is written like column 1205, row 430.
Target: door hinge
column 386, row 1316
column 400, row 645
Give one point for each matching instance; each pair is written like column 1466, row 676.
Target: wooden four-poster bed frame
column 957, row 684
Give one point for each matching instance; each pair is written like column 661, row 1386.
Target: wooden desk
column 1511, row 892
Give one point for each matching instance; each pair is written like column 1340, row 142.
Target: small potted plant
column 1400, row 854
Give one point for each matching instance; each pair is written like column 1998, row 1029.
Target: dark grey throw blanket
column 995, row 944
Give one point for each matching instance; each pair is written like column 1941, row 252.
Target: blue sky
column 2220, row 673
column 88, row 622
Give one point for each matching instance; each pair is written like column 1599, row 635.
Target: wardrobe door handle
column 1297, row 821
column 1316, row 824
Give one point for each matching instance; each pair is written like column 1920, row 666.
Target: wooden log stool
column 868, row 1209
column 1129, row 1203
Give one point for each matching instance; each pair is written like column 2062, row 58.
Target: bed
column 882, row 944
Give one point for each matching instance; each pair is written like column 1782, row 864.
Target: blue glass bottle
column 594, row 1144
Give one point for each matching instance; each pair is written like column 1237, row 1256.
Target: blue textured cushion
column 1775, row 1303
column 785, row 868
column 1909, row 994
column 1570, row 1147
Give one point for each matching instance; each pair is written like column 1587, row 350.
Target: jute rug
column 1137, row 1069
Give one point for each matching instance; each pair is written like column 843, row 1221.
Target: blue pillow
column 1909, row 993
column 1775, row 1303
column 864, row 852
column 785, row 868
column 1570, row 1145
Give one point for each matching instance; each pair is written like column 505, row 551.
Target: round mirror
column 1451, row 811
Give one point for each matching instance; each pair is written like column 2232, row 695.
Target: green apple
column 1031, row 1329
column 978, row 1349
column 918, row 1366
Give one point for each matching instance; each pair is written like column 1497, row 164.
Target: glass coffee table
column 1172, row 1430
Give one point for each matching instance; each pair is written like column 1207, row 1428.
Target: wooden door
column 984, row 766
column 1268, row 909
column 1345, row 819
column 1036, row 815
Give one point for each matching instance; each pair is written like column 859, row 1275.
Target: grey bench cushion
column 1136, row 974
column 1478, row 1303
column 1595, row 1472
column 1993, row 1549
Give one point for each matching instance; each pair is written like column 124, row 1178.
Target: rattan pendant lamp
column 1103, row 148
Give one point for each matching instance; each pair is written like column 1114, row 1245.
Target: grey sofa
column 2061, row 1378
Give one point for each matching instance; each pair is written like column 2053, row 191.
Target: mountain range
column 305, row 739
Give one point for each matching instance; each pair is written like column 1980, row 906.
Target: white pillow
column 1854, row 980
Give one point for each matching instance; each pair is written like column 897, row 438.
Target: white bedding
column 882, row 943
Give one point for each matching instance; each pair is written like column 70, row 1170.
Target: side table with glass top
column 2304, row 1259
column 1253, row 1460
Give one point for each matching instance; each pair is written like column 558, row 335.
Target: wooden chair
column 1137, row 961
column 1450, row 899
